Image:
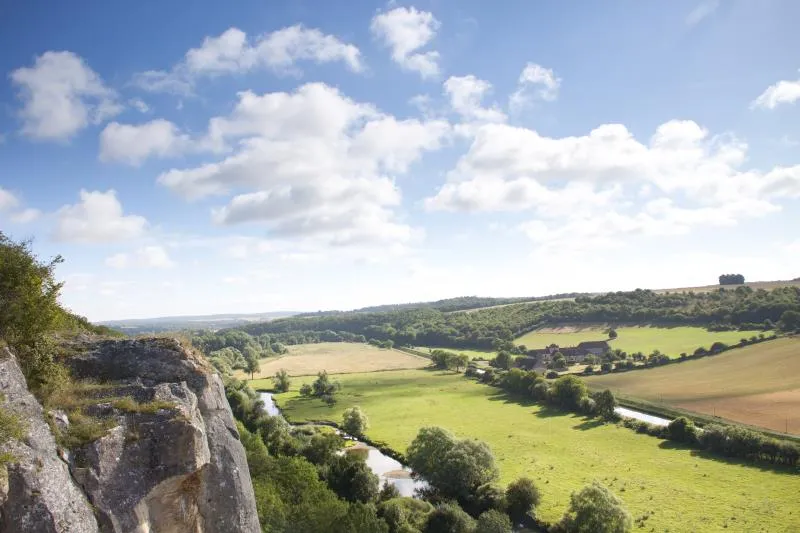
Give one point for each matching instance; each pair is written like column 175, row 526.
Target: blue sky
column 262, row 155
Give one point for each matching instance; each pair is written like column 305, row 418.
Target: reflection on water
column 630, row 413
column 387, row 469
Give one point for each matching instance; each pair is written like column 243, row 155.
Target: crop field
column 645, row 339
column 758, row 384
column 679, row 489
column 337, row 358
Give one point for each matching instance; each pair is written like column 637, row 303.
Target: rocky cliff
column 168, row 458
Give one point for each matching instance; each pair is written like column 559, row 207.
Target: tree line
column 497, row 327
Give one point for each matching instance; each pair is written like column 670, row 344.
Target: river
column 644, row 417
column 387, row 469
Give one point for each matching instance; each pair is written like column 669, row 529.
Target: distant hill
column 137, row 326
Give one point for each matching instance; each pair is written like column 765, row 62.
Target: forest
column 494, row 327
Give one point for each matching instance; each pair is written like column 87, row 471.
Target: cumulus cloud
column 405, row 30
column 466, row 94
column 535, row 82
column 782, row 92
column 233, row 52
column 144, row 257
column 7, row 200
column 133, row 144
column 583, row 186
column 25, row 216
column 312, row 163
column 61, row 95
column 97, row 218
column 139, row 105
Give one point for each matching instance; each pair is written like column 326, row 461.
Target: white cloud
column 405, row 31
column 97, row 218
column 783, row 92
column 144, row 257
column 25, row 216
column 61, row 95
column 466, row 93
column 704, row 9
column 7, row 200
column 535, row 81
column 585, row 186
column 233, row 52
column 311, row 163
column 139, row 105
column 133, row 144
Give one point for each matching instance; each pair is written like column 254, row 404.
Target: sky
column 259, row 155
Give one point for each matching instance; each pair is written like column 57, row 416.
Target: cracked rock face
column 175, row 468
column 40, row 495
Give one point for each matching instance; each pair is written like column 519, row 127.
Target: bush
column 354, row 421
column 449, row 518
column 595, row 509
column 682, row 430
column 522, row 497
column 552, row 375
column 493, row 521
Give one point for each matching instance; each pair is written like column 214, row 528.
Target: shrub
column 522, row 497
column 493, row 521
column 596, row 509
column 682, row 430
column 354, row 421
column 552, row 375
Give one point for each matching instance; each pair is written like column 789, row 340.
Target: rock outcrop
column 171, row 461
column 39, row 494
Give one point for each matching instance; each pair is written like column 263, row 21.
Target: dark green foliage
column 567, row 391
column 495, row 328
column 350, row 477
column 522, row 497
column 595, row 509
column 405, row 515
column 282, row 381
column 449, row 518
column 790, row 320
column 731, row 279
column 354, row 421
column 605, row 404
column 682, row 430
column 455, row 468
column 493, row 521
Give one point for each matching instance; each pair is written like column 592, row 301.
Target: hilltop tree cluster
column 731, row 279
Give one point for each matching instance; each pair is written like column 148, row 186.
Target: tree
column 559, row 361
column 790, row 321
column 595, row 509
column 682, row 430
column 306, row 390
column 253, row 366
column 612, row 334
column 354, row 421
column 605, row 403
column 461, row 361
column 456, row 468
column 449, row 518
column 349, row 476
column 567, row 391
column 493, row 521
column 360, row 518
column 405, row 515
column 731, row 279
column 522, row 497
column 503, row 360
column 281, row 380
column 322, row 387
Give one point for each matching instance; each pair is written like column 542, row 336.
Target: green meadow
column 677, row 489
column 645, row 339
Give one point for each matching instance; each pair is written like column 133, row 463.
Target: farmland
column 645, row 339
column 758, row 384
column 337, row 358
column 562, row 452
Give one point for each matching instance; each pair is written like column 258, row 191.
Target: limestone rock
column 40, row 494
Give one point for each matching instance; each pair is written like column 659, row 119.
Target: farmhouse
column 539, row 358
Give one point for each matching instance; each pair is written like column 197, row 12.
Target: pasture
column 645, row 339
column 678, row 489
column 336, row 358
column 758, row 384
column 473, row 354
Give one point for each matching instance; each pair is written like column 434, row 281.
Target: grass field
column 757, row 384
column 562, row 452
column 671, row 341
column 336, row 358
column 766, row 285
column 485, row 354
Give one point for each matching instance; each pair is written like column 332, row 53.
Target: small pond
column 387, row 469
